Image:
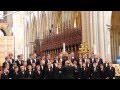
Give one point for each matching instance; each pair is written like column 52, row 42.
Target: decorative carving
column 84, row 48
column 71, row 37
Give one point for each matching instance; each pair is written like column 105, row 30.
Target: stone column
column 95, row 32
column 30, row 37
column 37, row 24
column 92, row 33
column 107, row 27
column 84, row 25
column 101, row 31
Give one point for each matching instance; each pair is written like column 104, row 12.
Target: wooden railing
column 54, row 44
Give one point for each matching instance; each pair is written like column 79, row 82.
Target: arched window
column 2, row 33
column 1, row 14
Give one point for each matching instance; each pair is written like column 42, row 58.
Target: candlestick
column 63, row 47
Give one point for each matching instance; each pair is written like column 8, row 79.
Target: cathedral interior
column 48, row 32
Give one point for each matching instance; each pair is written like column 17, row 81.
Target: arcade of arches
column 45, row 32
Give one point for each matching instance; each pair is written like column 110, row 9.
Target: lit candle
column 63, row 47
column 75, row 23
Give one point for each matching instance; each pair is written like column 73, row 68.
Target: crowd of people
column 61, row 67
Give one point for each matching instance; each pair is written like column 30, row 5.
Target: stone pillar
column 84, row 25
column 95, row 32
column 107, row 21
column 92, row 33
column 37, row 24
column 101, row 31
column 30, row 46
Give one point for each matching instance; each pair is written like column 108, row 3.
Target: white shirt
column 72, row 57
column 92, row 59
column 80, row 59
column 19, row 62
column 56, row 61
column 85, row 60
column 39, row 72
column 106, row 64
column 25, row 68
column 30, row 72
column 42, row 67
column 49, row 69
column 11, row 61
column 31, row 61
column 52, row 65
column 88, row 65
column 48, row 61
column 35, row 60
column 61, row 59
column 110, row 68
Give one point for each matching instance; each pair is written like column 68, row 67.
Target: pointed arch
column 34, row 30
column 44, row 23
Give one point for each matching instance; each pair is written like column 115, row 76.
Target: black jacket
column 38, row 75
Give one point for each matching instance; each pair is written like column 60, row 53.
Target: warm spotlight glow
column 75, row 23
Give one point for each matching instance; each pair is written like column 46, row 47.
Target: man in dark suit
column 5, row 74
column 33, row 66
column 30, row 73
column 73, row 57
column 58, row 71
column 76, row 70
column 85, row 72
column 102, row 72
column 60, row 59
column 15, row 74
column 106, row 64
column 38, row 73
column 95, row 72
column 11, row 60
column 49, row 72
column 47, row 60
column 68, row 71
column 30, row 60
column 36, row 60
column 85, row 57
column 52, row 64
column 111, row 71
column 92, row 58
column 42, row 67
column 7, row 58
column 12, row 70
column 80, row 58
column 80, row 66
column 19, row 61
column 88, row 64
column 100, row 60
column 22, row 73
column 25, row 65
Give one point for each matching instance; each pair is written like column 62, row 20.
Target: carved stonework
column 4, row 26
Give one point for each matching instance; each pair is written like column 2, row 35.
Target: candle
column 63, row 47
